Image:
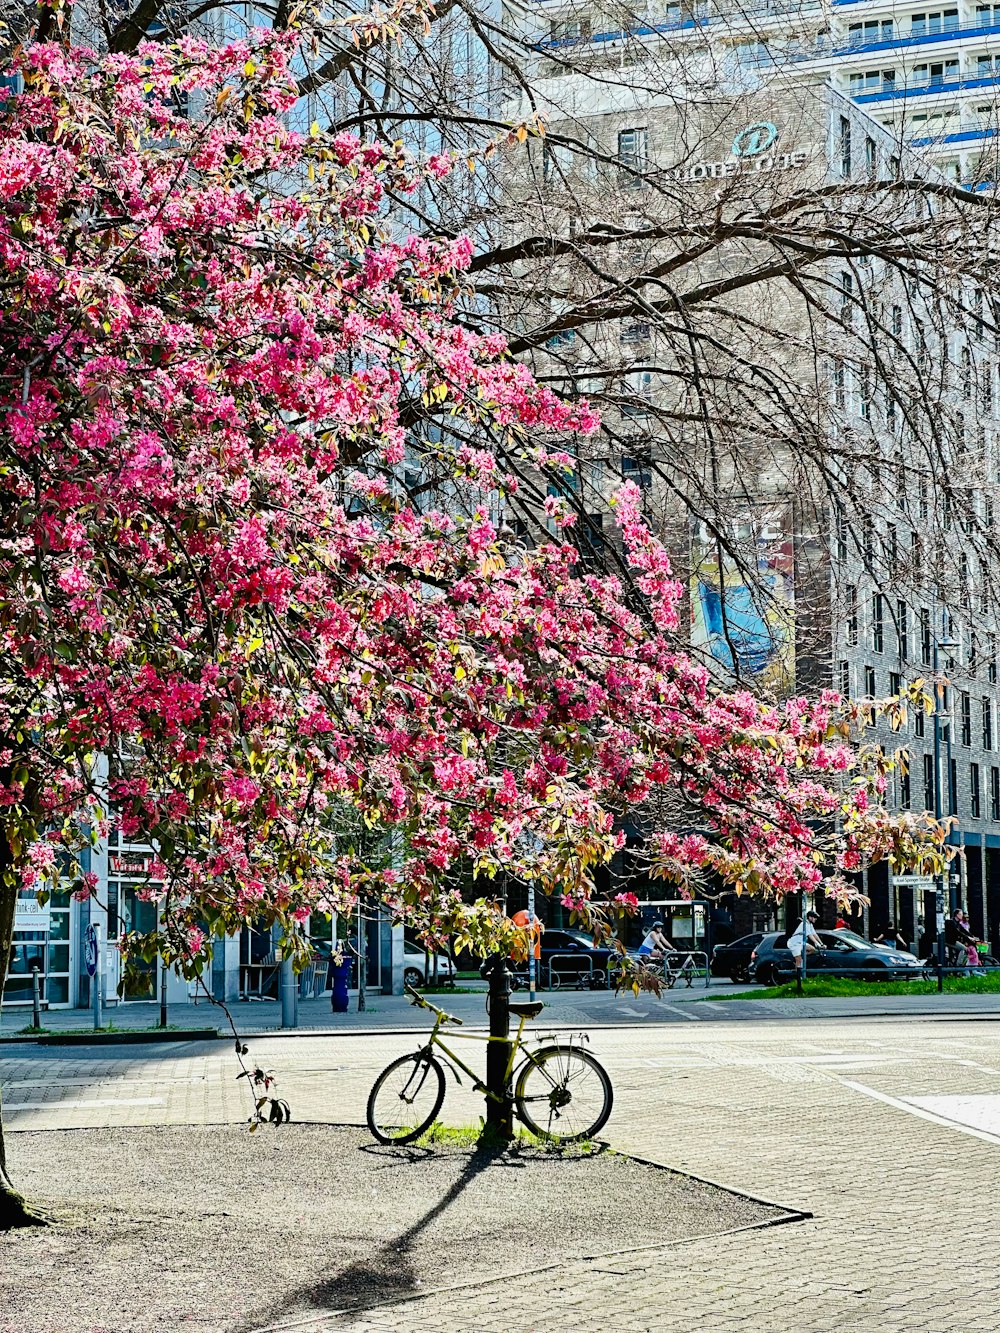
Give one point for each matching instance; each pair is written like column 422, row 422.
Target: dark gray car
column 844, row 954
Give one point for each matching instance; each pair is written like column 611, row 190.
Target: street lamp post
column 939, row 645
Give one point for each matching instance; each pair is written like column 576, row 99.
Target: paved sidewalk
column 393, row 1013
column 887, row 1131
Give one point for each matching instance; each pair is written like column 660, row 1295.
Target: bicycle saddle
column 527, row 1010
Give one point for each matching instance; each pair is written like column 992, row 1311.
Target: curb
column 120, row 1038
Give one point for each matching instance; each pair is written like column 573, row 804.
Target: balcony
column 887, row 92
column 862, row 42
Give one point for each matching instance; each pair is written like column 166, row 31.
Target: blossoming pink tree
column 215, row 353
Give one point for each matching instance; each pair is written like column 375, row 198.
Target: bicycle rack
column 682, row 963
column 557, row 977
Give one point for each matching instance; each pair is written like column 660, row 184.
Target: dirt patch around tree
column 214, row 1229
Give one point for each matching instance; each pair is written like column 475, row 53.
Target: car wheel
column 878, row 972
column 413, row 976
column 739, row 974
column 767, row 975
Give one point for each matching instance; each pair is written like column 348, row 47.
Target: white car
column 416, row 962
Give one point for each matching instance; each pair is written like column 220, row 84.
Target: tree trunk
column 14, row 1209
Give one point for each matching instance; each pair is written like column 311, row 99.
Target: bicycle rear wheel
column 563, row 1094
column 406, row 1098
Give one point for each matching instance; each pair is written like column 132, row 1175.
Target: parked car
column 570, row 958
column 733, row 960
column 419, row 967
column 844, row 954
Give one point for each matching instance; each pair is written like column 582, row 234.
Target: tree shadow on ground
column 388, row 1272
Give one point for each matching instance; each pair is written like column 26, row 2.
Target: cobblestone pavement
column 887, row 1131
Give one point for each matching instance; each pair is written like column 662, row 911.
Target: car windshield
column 856, row 941
column 578, row 937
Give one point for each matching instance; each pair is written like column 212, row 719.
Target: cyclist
column 804, row 937
column 656, row 945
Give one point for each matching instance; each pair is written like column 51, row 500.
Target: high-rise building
column 818, row 444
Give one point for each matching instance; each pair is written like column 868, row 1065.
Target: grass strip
column 835, row 988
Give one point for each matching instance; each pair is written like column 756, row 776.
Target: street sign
column 918, row 883
column 90, row 947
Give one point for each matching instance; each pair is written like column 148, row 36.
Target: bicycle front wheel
column 563, row 1094
column 406, row 1098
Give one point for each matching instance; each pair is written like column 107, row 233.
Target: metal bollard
column 36, row 998
column 289, row 987
column 163, row 995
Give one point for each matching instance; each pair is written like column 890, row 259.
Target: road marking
column 57, row 1104
column 913, row 1108
column 98, row 1079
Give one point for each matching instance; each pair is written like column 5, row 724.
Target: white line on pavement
column 57, row 1104
column 921, row 1112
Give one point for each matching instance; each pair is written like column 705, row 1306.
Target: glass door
column 138, row 917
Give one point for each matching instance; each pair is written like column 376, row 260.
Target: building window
column 916, row 557
column 965, row 704
column 841, row 531
column 902, row 630
column 923, row 498
column 871, row 151
column 872, row 30
column 852, row 614
column 941, row 20
column 895, row 683
column 897, row 321
column 839, row 386
column 953, row 786
column 845, row 146
column 878, row 623
column 929, row 803
column 844, row 678
column 995, row 793
column 904, row 782
column 925, row 636
column 868, row 540
column 987, row 723
column 636, row 331
column 633, row 155
column 871, row 682
column 873, row 81
column 919, row 721
column 976, row 794
column 846, row 297
column 991, row 656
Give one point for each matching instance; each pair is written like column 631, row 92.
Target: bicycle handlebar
column 422, row 1003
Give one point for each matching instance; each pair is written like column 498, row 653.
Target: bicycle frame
column 517, row 1044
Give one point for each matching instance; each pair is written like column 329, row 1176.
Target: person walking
column 891, row 938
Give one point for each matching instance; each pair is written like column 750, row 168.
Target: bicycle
column 561, row 1092
column 674, row 971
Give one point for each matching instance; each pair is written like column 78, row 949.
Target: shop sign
column 754, row 153
column 30, row 915
column 132, row 864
